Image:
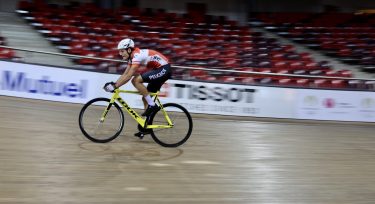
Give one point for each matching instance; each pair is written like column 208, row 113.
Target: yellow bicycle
column 102, row 120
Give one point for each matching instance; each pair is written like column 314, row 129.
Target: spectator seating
column 188, row 40
column 5, row 53
column 347, row 36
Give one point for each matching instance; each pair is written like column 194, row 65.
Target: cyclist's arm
column 127, row 75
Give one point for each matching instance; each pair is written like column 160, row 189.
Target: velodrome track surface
column 44, row 158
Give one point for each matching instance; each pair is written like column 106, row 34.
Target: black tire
column 180, row 133
column 90, row 116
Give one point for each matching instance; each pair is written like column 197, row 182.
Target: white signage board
column 336, row 105
column 75, row 86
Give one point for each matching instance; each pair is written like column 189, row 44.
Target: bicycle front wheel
column 182, row 125
column 98, row 128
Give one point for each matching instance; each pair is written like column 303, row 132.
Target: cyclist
column 159, row 72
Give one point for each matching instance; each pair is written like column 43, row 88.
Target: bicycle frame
column 134, row 114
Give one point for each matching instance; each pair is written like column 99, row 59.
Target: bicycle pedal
column 139, row 134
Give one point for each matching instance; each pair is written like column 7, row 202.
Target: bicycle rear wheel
column 181, row 130
column 90, row 120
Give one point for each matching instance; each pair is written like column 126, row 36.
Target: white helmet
column 125, row 44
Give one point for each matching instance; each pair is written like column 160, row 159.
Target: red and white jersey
column 148, row 58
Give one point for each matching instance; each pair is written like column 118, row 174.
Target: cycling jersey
column 149, row 58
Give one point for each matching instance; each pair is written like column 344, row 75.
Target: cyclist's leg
column 137, row 82
column 150, row 105
column 145, row 104
column 155, row 80
column 154, row 85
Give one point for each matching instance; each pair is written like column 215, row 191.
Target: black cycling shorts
column 157, row 77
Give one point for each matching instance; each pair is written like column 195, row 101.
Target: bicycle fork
column 105, row 112
column 107, row 109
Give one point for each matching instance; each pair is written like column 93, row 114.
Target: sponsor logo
column 368, row 103
column 310, row 101
column 155, row 58
column 131, row 111
column 160, row 74
column 329, row 103
column 216, row 93
column 20, row 82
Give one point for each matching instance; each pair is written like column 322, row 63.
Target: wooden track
column 44, row 158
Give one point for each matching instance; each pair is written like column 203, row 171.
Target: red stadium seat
column 286, row 82
column 228, row 79
column 320, row 83
column 346, row 73
column 247, row 80
column 337, row 83
column 303, row 82
column 88, row 61
column 6, row 53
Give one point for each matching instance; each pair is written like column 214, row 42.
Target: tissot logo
column 203, row 92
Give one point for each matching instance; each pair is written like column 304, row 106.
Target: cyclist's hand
column 109, row 87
